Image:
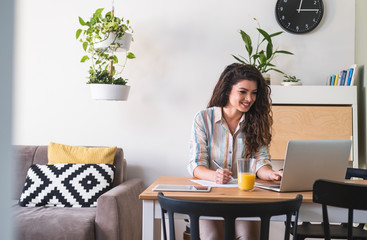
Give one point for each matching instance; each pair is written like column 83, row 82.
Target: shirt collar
column 218, row 116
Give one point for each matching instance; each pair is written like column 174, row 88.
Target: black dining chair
column 339, row 231
column 357, row 173
column 344, row 195
column 229, row 211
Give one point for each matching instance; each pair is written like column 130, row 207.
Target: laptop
column 309, row 160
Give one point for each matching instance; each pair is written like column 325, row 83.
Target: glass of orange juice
column 246, row 172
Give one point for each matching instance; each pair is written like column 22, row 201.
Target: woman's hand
column 276, row 175
column 223, row 176
column 267, row 173
column 219, row 176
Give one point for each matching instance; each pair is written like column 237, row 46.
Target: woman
column 237, row 123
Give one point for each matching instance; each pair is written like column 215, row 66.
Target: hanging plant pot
column 109, row 92
column 123, row 43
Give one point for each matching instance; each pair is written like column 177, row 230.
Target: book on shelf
column 336, row 80
column 343, row 74
column 332, row 80
column 346, row 77
column 353, row 77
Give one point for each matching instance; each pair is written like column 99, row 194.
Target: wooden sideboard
column 313, row 112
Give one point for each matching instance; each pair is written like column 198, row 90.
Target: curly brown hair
column 259, row 119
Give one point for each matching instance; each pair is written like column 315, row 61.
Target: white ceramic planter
column 109, row 92
column 124, row 42
column 291, row 83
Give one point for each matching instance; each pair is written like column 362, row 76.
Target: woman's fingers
column 277, row 175
column 223, row 176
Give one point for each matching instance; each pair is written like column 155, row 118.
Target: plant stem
column 111, row 70
column 111, row 62
column 258, row 40
column 123, row 67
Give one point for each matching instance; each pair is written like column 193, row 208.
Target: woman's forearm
column 205, row 173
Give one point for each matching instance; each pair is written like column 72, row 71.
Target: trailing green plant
column 260, row 56
column 103, row 61
column 289, row 78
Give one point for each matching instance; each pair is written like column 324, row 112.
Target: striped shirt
column 212, row 140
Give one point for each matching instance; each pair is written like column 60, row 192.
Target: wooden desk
column 309, row 211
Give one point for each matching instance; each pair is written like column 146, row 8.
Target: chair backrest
column 339, row 194
column 356, row 172
column 229, row 211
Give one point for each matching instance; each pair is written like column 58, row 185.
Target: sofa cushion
column 61, row 153
column 66, row 185
column 43, row 223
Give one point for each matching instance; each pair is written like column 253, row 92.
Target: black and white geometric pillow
column 66, row 185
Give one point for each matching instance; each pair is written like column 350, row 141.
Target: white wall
column 181, row 48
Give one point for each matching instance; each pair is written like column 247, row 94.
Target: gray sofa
column 117, row 215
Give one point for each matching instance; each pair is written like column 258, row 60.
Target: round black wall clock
column 299, row 16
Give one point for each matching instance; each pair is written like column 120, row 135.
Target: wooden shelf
column 313, row 112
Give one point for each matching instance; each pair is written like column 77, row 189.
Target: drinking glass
column 246, row 172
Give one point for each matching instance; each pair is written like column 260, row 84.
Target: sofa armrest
column 119, row 212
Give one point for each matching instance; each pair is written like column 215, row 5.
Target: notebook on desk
column 308, row 160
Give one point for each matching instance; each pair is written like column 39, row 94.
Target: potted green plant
column 291, row 81
column 102, row 36
column 263, row 53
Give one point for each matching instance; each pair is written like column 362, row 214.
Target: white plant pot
column 291, row 83
column 109, row 92
column 124, row 42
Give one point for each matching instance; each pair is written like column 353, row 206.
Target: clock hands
column 305, row 10
column 300, row 5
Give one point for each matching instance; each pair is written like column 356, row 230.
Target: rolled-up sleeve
column 263, row 157
column 198, row 145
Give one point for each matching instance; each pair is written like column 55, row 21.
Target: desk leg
column 148, row 219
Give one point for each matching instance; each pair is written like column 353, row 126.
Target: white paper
column 231, row 184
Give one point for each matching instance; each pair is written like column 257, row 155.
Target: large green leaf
column 247, row 40
column 81, row 21
column 115, row 59
column 262, row 57
column 275, row 34
column 265, row 34
column 78, row 32
column 274, row 69
column 99, row 11
column 255, row 57
column 284, row 52
column 85, row 46
column 269, row 50
column 240, row 60
column 84, row 58
column 130, row 55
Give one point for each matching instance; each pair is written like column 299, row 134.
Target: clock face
column 299, row 16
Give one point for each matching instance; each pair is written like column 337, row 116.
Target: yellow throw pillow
column 60, row 153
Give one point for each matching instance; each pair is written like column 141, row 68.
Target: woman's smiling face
column 242, row 95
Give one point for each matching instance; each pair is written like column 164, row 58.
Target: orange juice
column 246, row 181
